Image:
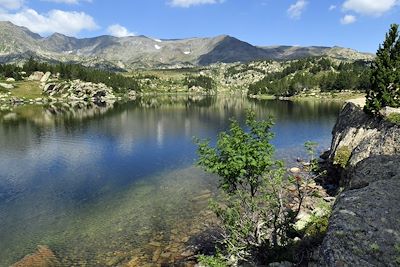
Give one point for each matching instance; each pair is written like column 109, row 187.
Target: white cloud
column 65, row 22
column 68, row 1
column 119, row 31
column 11, row 4
column 370, row 7
column 332, row 7
column 296, row 10
column 189, row 3
column 348, row 19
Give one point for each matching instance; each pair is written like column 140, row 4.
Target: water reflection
column 114, row 175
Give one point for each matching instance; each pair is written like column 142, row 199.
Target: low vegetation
column 342, row 156
column 256, row 210
column 394, row 118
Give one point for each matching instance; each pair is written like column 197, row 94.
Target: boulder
column 36, row 76
column 42, row 257
column 10, row 80
column 45, row 77
column 49, row 87
column 6, row 86
column 386, row 111
column 363, row 136
column 295, row 170
column 364, row 228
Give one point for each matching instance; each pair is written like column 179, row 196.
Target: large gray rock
column 386, row 111
column 36, row 76
column 77, row 90
column 364, row 228
column 363, row 135
column 373, row 169
column 45, row 77
column 6, row 85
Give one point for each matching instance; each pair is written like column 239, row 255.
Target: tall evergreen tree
column 385, row 78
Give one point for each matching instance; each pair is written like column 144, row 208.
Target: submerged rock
column 42, row 257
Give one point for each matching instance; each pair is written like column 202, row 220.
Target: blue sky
column 358, row 24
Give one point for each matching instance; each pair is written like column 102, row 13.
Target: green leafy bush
column 254, row 213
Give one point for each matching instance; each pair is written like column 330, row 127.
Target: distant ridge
column 19, row 43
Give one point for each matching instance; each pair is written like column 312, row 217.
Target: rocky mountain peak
column 17, row 43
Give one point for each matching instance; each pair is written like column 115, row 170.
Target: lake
column 112, row 185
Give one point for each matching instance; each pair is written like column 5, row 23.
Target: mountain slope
column 18, row 43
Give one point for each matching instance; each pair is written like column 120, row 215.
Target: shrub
column 319, row 221
column 254, row 213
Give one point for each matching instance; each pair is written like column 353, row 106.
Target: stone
column 42, row 257
column 295, row 170
column 330, row 199
column 156, row 255
column 10, row 80
column 36, row 76
column 364, row 135
column 49, row 87
column 373, row 169
column 362, row 218
column 364, row 228
column 386, row 111
column 7, row 86
column 45, row 77
column 155, row 244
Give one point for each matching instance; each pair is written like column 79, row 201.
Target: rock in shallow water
column 42, row 257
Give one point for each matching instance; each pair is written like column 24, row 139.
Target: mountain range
column 19, row 43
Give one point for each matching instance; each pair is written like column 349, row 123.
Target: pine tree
column 385, row 78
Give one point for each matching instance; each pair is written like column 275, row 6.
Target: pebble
column 295, row 170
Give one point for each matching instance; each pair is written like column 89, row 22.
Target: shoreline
column 32, row 93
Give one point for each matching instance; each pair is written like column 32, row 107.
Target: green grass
column 394, row 118
column 27, row 89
